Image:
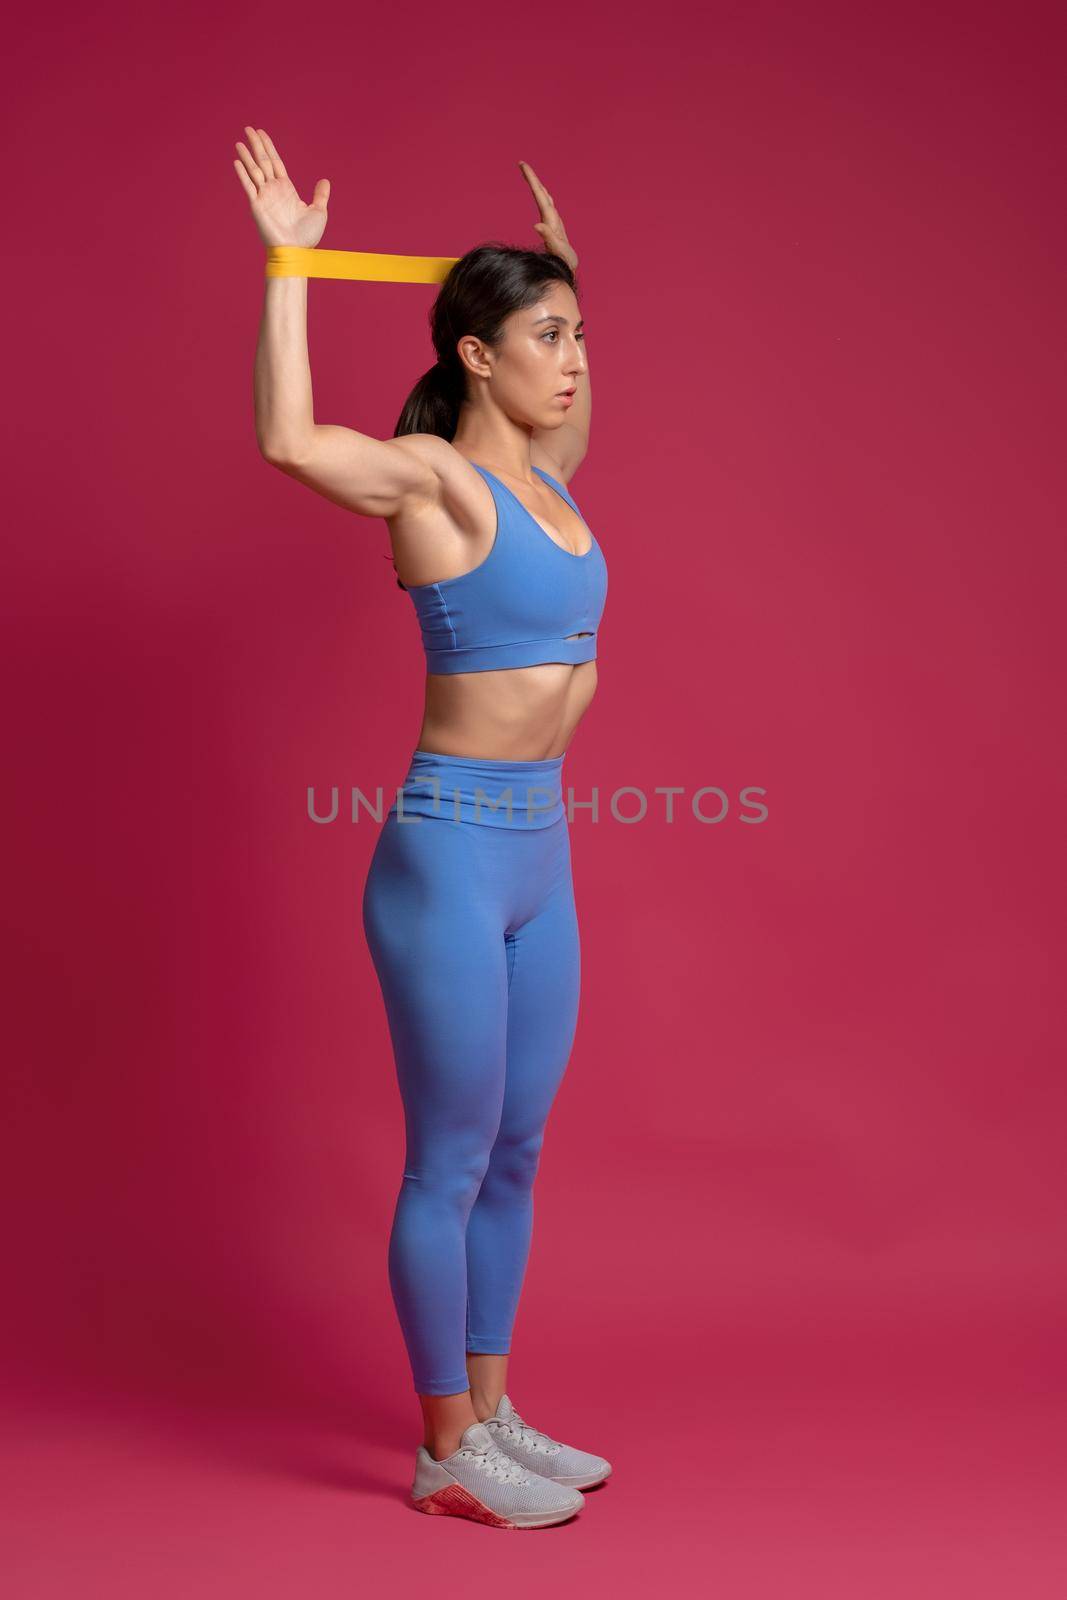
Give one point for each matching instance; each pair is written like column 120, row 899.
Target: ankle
column 485, row 1403
column 444, row 1445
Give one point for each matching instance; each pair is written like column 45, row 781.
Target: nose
column 576, row 365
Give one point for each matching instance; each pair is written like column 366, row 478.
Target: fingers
column 246, row 183
column 546, row 204
column 540, row 192
column 251, row 166
column 553, row 233
column 261, row 153
column 260, row 164
column 276, row 160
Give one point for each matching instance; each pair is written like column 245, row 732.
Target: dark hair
column 482, row 290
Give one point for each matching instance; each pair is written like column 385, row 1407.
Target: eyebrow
column 565, row 321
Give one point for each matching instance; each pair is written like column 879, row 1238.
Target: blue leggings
column 470, row 919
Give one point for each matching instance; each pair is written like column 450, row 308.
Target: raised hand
column 279, row 213
column 550, row 226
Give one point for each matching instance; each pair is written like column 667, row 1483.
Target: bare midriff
column 511, row 714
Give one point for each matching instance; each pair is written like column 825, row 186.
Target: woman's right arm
column 375, row 477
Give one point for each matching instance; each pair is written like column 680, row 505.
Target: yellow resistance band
column 294, row 261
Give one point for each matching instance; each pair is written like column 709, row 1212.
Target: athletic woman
column 468, row 907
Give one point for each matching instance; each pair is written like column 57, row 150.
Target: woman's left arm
column 566, row 445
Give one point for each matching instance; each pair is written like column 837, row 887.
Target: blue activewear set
column 469, row 915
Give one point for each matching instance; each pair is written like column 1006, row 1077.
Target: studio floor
column 826, row 1480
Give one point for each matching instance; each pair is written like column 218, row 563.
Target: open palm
column 280, row 214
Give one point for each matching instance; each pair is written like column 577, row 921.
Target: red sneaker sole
column 455, row 1501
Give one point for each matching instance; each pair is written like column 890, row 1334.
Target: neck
column 497, row 443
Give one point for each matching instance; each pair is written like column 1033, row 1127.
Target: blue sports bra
column 515, row 608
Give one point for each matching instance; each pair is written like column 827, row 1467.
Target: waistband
column 500, row 794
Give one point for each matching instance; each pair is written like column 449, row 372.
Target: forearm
column 568, row 443
column 579, row 413
column 283, row 400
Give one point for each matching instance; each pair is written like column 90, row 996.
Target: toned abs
column 514, row 714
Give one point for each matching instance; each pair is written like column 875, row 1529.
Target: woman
column 468, row 907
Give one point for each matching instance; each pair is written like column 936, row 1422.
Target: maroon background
column 798, row 1264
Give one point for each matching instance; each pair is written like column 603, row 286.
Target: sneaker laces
column 529, row 1437
column 493, row 1459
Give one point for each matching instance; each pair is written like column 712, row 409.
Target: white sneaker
column 539, row 1452
column 480, row 1482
